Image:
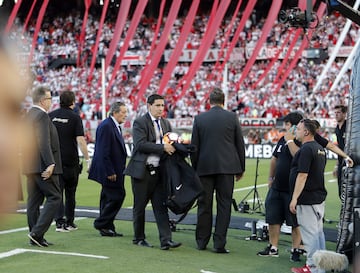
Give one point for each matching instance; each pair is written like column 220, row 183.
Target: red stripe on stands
column 28, row 16
column 37, row 28
column 280, row 70
column 119, row 26
column 175, row 55
column 157, row 29
column 151, row 67
column 97, row 41
column 12, row 16
column 206, row 42
column 82, row 33
column 130, row 33
column 298, row 54
column 276, row 57
column 154, row 40
column 226, row 42
column 272, row 15
column 246, row 14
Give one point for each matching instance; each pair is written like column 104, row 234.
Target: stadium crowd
column 60, row 38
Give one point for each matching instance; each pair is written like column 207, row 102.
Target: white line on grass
column 23, row 250
column 250, row 187
column 206, row 271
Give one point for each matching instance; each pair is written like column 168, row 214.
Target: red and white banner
column 188, row 55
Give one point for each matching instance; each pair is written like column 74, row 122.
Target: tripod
column 257, row 204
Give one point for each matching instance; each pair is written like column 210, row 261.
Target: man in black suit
column 107, row 168
column 42, row 169
column 220, row 155
column 144, row 167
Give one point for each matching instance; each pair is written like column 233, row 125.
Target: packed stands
column 59, row 38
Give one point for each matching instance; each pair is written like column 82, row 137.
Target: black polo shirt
column 340, row 136
column 310, row 159
column 283, row 163
column 69, row 126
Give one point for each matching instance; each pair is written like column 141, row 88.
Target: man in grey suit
column 220, row 156
column 144, row 167
column 42, row 169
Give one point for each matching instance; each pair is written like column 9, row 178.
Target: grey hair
column 115, row 107
column 39, row 93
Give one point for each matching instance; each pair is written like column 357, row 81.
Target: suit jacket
column 109, row 155
column 144, row 138
column 219, row 141
column 46, row 142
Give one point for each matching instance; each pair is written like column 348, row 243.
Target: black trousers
column 150, row 188
column 223, row 185
column 68, row 184
column 39, row 190
column 111, row 200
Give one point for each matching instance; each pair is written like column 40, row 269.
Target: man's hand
column 112, row 178
column 88, row 164
column 289, row 136
column 349, row 162
column 169, row 149
column 48, row 172
column 239, row 176
column 292, row 206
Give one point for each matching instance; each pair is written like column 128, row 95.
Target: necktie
column 120, row 130
column 159, row 128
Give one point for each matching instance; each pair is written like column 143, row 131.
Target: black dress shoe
column 169, row 244
column 142, row 243
column 201, row 248
column 221, row 250
column 42, row 242
column 109, row 233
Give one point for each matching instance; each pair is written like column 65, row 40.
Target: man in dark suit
column 144, row 167
column 42, row 169
column 107, row 168
column 219, row 156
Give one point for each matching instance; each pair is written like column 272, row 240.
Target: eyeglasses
column 49, row 98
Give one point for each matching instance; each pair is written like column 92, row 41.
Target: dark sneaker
column 268, row 252
column 295, row 255
column 142, row 243
column 71, row 227
column 62, row 228
column 35, row 240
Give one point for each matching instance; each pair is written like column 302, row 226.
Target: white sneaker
column 62, row 228
column 71, row 227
